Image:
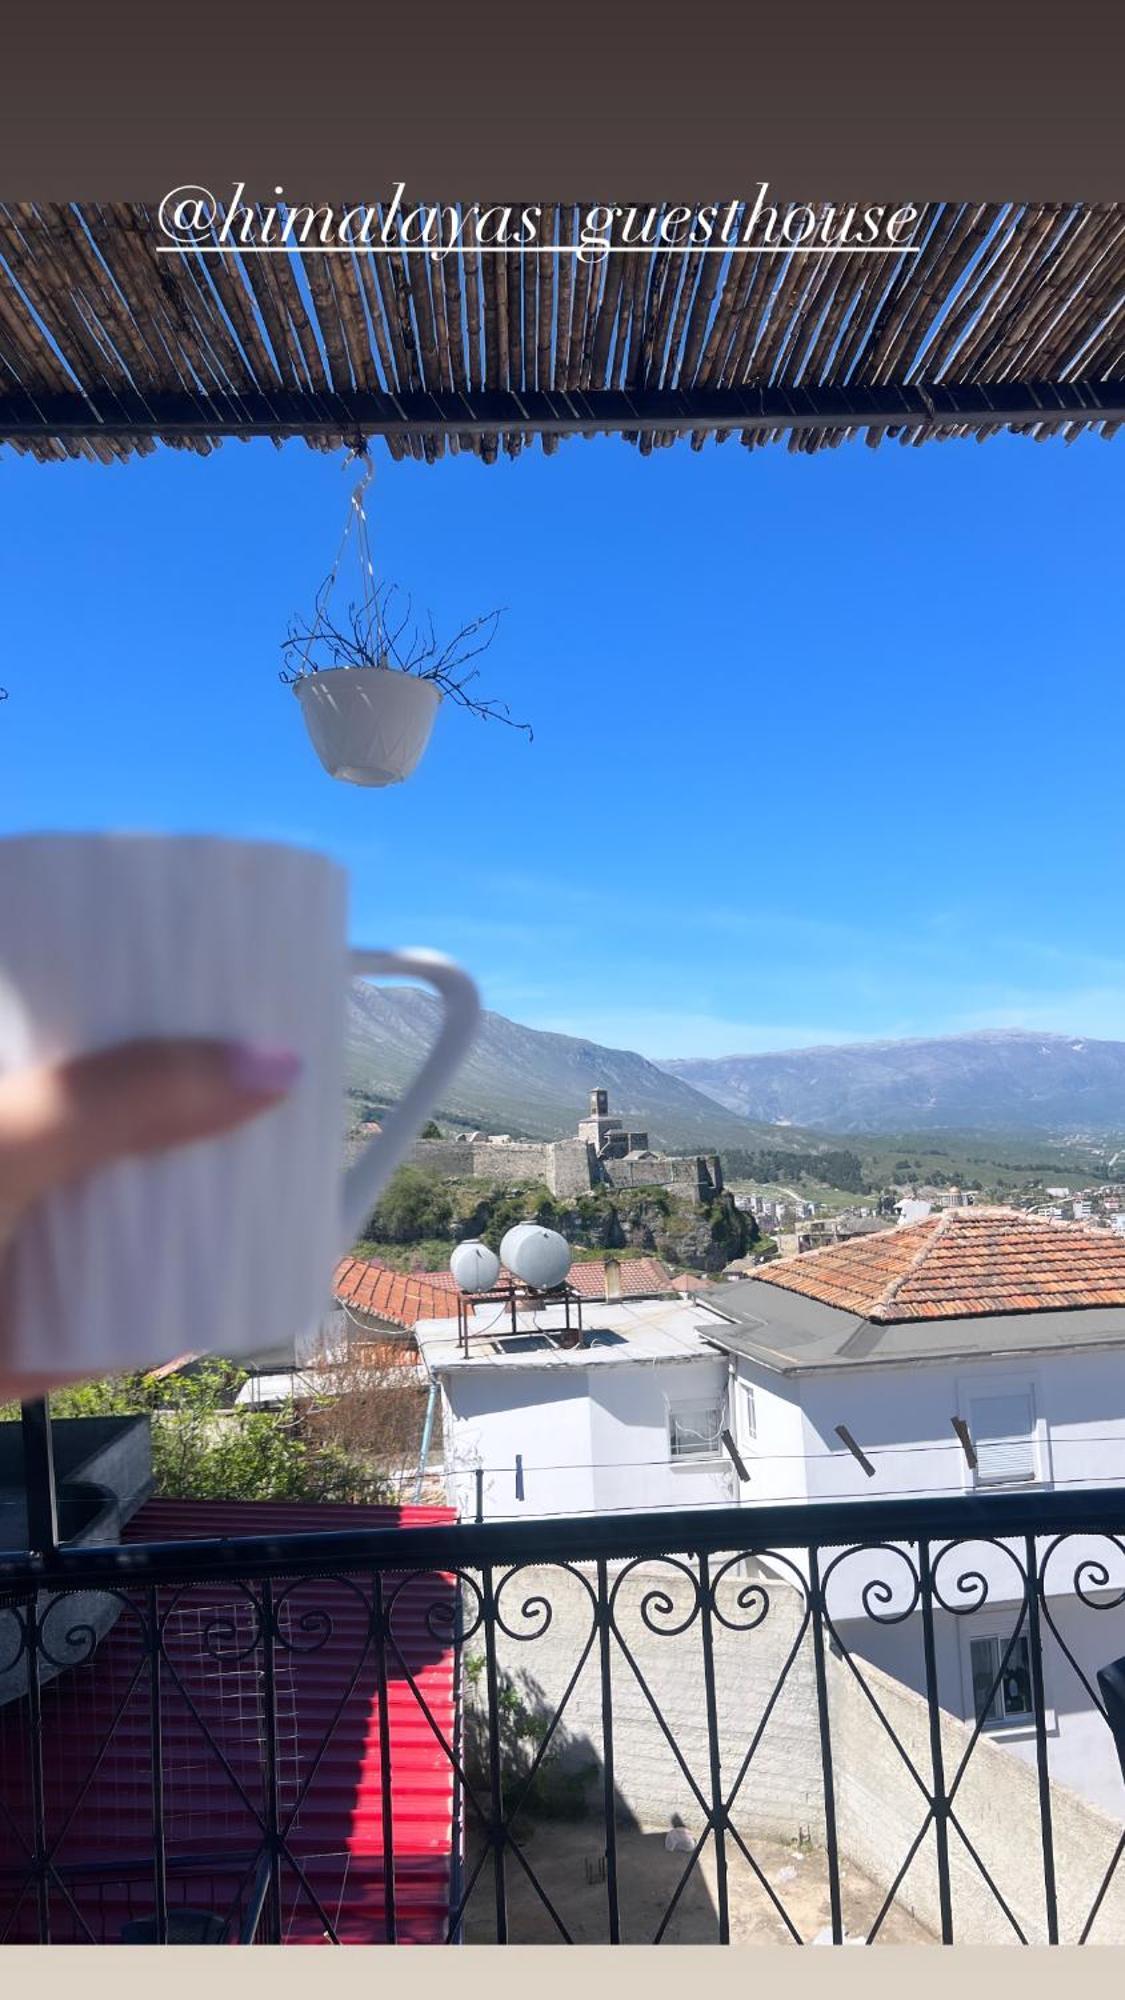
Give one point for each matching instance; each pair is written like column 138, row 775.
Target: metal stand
column 520, row 1298
column 39, row 1478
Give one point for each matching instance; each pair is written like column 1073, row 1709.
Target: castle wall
column 697, row 1179
column 444, row 1157
column 573, row 1168
column 568, row 1167
column 515, row 1161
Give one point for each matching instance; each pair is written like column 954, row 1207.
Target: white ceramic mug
column 227, row 1245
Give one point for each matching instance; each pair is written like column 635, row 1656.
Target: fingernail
column 261, row 1069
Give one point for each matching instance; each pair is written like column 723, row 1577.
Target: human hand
column 64, row 1121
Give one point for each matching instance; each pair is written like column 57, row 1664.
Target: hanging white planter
column 370, row 707
column 368, row 725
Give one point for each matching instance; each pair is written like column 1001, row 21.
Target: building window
column 1003, row 1434
column 1009, row 1698
column 694, row 1430
column 751, row 1410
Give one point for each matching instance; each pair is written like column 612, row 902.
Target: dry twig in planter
column 375, row 634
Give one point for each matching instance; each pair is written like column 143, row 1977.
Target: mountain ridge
column 988, row 1080
column 533, row 1083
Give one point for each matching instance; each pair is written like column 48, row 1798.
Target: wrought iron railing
column 871, row 1720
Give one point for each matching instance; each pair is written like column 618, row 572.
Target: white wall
column 490, row 1415
column 1079, row 1400
column 629, row 1430
column 774, row 1458
column 901, row 1419
column 592, row 1439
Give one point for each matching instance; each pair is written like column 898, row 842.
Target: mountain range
column 532, row 1083
column 529, row 1082
column 997, row 1080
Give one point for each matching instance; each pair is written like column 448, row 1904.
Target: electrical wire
column 785, row 1499
column 349, row 1315
column 783, row 1457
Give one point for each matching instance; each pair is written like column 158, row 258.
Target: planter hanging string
column 369, row 693
column 355, row 523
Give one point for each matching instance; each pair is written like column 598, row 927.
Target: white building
column 631, row 1419
column 913, row 1209
column 1011, row 1324
column 1015, row 1326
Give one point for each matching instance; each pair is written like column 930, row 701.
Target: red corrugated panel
column 97, row 1748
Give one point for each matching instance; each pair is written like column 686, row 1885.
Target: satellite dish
column 475, row 1267
column 541, row 1257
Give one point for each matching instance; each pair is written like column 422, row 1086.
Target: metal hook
column 360, row 451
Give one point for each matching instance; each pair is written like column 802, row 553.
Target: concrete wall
column 782, row 1793
column 880, row 1810
column 880, row 1805
column 544, row 1416
column 774, row 1456
column 629, row 1429
column 1079, row 1403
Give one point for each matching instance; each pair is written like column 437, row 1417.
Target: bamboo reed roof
column 1009, row 317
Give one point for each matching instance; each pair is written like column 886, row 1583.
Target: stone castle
column 602, row 1154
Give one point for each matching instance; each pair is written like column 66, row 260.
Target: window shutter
column 1002, row 1430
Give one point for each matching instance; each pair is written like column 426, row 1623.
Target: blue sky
column 825, row 748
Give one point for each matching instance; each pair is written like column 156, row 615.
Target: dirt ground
column 567, row 1859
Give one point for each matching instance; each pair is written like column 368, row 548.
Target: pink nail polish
column 262, row 1070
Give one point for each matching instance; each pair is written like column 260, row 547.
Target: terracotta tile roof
column 405, row 1297
column 401, row 1297
column 959, row 1265
column 641, row 1278
column 378, row 1354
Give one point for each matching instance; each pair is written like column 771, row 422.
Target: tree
column 501, row 1207
column 373, row 1419
column 207, row 1447
column 730, row 1229
column 431, row 1130
column 415, row 1205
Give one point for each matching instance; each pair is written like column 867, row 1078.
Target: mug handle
column 367, row 1176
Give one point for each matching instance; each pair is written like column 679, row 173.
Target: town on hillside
column 586, row 1182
